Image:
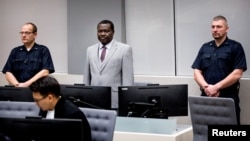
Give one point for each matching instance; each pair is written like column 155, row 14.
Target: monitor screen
column 31, row 129
column 153, row 101
column 8, row 93
column 88, row 96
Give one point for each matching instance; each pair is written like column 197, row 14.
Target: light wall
column 50, row 16
column 165, row 34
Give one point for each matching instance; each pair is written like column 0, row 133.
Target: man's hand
column 23, row 85
column 212, row 91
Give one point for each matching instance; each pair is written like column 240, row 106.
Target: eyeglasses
column 38, row 100
column 25, row 33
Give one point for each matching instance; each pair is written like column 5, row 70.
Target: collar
column 32, row 48
column 108, row 46
column 226, row 41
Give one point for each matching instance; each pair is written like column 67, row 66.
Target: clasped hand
column 211, row 91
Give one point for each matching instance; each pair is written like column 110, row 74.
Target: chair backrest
column 102, row 123
column 206, row 111
column 18, row 109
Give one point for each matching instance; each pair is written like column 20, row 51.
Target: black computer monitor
column 31, row 129
column 8, row 93
column 88, row 96
column 153, row 101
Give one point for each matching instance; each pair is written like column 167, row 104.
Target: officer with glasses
column 28, row 62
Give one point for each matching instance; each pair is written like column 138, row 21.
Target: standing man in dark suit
column 46, row 92
column 220, row 64
column 112, row 68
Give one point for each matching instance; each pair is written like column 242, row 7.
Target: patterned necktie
column 103, row 53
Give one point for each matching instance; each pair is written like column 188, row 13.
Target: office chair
column 18, row 109
column 102, row 123
column 206, row 111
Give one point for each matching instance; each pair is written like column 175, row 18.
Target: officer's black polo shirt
column 217, row 62
column 25, row 64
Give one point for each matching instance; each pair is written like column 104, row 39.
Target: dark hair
column 33, row 25
column 108, row 22
column 46, row 85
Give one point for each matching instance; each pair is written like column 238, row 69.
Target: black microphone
column 77, row 100
column 73, row 99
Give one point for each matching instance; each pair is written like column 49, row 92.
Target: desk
column 143, row 129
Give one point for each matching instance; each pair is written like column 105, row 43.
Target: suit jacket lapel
column 97, row 60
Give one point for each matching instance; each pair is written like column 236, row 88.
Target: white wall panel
column 51, row 20
column 149, row 30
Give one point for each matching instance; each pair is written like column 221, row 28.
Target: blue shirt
column 216, row 63
column 25, row 64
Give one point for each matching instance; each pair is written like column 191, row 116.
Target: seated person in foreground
column 47, row 95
